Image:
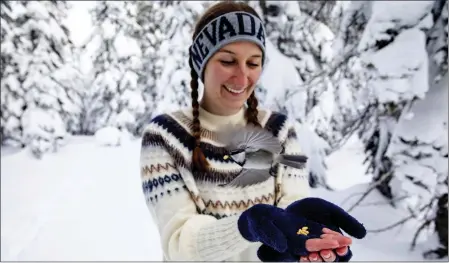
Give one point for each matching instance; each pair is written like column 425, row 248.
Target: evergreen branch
column 402, row 221
column 386, row 203
column 366, row 193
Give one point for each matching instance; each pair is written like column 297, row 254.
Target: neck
column 214, row 121
column 217, row 111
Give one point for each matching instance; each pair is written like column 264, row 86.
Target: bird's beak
column 228, row 157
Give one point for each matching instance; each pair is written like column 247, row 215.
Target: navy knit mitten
column 279, row 230
column 325, row 213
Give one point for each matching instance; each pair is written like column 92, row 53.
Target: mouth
column 234, row 92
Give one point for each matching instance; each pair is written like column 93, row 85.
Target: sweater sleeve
column 184, row 233
column 294, row 183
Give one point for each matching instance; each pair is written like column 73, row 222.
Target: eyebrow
column 230, row 52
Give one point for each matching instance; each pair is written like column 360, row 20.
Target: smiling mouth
column 233, row 91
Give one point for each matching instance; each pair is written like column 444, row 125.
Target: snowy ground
column 85, row 204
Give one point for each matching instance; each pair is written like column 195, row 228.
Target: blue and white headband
column 225, row 29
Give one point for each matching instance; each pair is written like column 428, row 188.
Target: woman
column 182, row 164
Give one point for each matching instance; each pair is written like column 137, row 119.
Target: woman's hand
column 318, row 251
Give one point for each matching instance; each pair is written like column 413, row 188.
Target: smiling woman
column 230, row 77
column 184, row 169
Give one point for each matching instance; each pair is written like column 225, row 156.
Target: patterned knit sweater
column 196, row 218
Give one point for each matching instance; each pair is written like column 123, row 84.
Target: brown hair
column 199, row 161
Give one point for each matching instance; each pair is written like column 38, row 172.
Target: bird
column 256, row 150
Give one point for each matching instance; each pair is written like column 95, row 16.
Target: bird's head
column 236, row 156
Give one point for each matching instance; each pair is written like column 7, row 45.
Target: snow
column 392, row 15
column 425, row 161
column 85, row 203
column 277, row 80
column 108, row 136
column 345, row 167
column 407, row 76
column 44, row 130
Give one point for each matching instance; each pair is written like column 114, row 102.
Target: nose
column 241, row 77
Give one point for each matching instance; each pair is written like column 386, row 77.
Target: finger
column 330, row 231
column 342, row 240
column 328, row 255
column 345, row 258
column 317, row 244
column 303, row 259
column 314, row 257
column 342, row 251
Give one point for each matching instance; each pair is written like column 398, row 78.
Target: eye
column 253, row 65
column 226, row 62
column 225, row 157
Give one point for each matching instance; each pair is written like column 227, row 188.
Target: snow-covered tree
column 75, row 83
column 154, row 23
column 10, row 120
column 394, row 57
column 320, row 11
column 39, row 48
column 347, row 20
column 173, row 86
column 113, row 98
column 419, row 145
column 403, row 57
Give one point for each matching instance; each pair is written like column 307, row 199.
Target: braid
column 199, row 161
column 252, row 112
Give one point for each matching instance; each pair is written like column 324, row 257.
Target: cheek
column 218, row 76
column 255, row 76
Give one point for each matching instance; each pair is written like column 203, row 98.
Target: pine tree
column 389, row 83
column 419, row 155
column 173, row 86
column 154, row 22
column 113, row 98
column 347, row 20
column 10, row 84
column 35, row 100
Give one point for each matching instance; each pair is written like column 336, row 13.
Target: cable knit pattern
column 197, row 219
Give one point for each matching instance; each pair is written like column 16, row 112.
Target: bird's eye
column 226, row 157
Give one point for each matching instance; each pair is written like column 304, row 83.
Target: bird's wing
column 250, row 177
column 249, row 137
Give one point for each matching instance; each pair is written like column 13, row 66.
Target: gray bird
column 256, row 150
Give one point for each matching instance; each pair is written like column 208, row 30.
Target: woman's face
column 230, row 77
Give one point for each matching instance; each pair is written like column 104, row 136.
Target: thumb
column 346, row 222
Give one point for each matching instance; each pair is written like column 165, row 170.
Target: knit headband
column 225, row 29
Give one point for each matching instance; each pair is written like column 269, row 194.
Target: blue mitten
column 330, row 215
column 279, row 230
column 325, row 213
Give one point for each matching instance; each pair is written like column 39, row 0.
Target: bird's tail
column 295, row 161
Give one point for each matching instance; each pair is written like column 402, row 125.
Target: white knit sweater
column 197, row 219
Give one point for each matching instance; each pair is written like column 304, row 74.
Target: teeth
column 234, row 91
